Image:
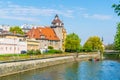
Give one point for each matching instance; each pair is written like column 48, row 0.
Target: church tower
column 60, row 31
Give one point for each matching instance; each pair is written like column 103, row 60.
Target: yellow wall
column 10, row 36
column 64, row 37
column 32, row 44
column 14, row 36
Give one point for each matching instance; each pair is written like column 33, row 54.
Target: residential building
column 12, row 43
column 33, row 44
column 26, row 28
column 5, row 27
column 46, row 37
column 53, row 35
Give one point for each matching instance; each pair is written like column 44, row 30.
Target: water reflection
column 85, row 70
column 71, row 72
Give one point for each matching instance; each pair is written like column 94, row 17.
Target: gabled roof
column 33, row 33
column 42, row 33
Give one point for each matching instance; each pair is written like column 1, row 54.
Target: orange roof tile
column 47, row 32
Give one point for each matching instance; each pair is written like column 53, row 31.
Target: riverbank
column 21, row 66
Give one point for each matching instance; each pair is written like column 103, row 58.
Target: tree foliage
column 117, row 38
column 16, row 29
column 109, row 46
column 93, row 44
column 117, row 8
column 72, row 42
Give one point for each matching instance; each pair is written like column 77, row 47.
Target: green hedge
column 33, row 52
column 53, row 51
column 50, row 47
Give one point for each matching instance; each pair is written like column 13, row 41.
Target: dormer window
column 42, row 37
column 57, row 24
column 60, row 24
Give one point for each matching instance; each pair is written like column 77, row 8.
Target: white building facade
column 5, row 27
column 12, row 46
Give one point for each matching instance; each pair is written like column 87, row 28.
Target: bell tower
column 57, row 22
column 60, row 31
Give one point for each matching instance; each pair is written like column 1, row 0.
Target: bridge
column 111, row 52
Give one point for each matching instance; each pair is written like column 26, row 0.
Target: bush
column 37, row 52
column 50, row 47
column 52, row 51
column 69, row 50
column 33, row 52
column 30, row 52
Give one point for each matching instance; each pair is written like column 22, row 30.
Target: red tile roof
column 47, row 32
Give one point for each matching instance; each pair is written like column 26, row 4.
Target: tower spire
column 57, row 22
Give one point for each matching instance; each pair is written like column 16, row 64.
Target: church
column 53, row 35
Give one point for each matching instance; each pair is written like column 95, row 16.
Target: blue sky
column 84, row 17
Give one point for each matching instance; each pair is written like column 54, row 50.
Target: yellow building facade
column 33, row 44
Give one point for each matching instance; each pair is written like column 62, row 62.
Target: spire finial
column 56, row 15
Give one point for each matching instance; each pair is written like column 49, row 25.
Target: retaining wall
column 16, row 67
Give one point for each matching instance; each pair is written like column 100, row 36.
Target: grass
column 17, row 57
column 14, row 57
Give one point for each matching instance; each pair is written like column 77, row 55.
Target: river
column 84, row 70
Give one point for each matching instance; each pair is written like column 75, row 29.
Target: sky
column 86, row 18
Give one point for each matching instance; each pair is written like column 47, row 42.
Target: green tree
column 93, row 44
column 117, row 8
column 16, row 29
column 72, row 42
column 109, row 46
column 117, row 38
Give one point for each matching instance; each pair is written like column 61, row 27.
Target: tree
column 16, row 29
column 109, row 46
column 72, row 42
column 117, row 8
column 117, row 38
column 93, row 44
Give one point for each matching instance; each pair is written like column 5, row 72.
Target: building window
column 57, row 24
column 14, row 48
column 20, row 39
column 10, row 48
column 51, row 42
column 42, row 37
column 1, row 48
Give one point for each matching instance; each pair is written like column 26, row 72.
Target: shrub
column 30, row 52
column 50, row 47
column 52, row 51
column 33, row 52
column 37, row 52
column 69, row 50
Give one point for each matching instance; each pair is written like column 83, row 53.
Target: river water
column 85, row 70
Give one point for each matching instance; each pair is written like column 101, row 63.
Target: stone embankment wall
column 16, row 67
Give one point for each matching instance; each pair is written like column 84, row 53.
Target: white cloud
column 19, row 18
column 98, row 16
column 9, row 10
